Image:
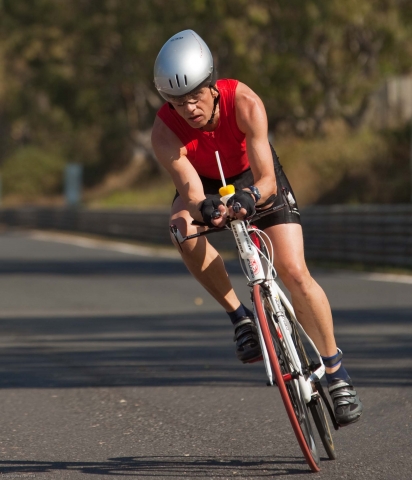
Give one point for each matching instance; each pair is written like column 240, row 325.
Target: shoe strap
column 340, row 384
column 245, row 331
column 344, row 393
column 244, row 321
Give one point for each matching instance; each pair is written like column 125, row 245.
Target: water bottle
column 226, row 192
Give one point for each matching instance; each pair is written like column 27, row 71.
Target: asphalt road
column 115, row 363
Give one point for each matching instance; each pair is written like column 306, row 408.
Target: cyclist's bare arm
column 252, row 121
column 171, row 153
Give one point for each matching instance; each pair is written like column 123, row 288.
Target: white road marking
column 388, row 277
column 122, row 247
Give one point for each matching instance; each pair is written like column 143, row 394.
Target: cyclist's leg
column 202, row 260
column 309, row 300
column 206, row 265
column 313, row 312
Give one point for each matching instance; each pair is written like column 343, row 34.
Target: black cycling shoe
column 247, row 341
column 346, row 402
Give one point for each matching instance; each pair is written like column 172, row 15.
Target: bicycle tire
column 316, row 404
column 322, row 426
column 295, row 407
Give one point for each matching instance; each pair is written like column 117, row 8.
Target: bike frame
column 264, row 274
column 275, row 296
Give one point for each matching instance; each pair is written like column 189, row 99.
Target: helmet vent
column 185, row 81
column 177, row 81
column 170, row 83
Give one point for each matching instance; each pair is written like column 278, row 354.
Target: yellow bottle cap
column 229, row 189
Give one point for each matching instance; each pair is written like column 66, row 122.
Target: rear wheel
column 289, row 390
column 299, row 405
column 316, row 405
column 318, row 413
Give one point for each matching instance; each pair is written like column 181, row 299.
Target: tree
column 76, row 77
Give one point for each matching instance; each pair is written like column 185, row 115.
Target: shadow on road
column 167, row 466
column 184, row 349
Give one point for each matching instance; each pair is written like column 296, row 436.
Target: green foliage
column 347, row 167
column 154, row 194
column 31, row 171
column 341, row 167
column 77, row 75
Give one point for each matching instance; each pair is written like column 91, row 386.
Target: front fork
column 282, row 330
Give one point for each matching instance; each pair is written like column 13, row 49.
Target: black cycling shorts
column 245, row 179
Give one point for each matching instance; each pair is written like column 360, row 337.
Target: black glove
column 242, row 199
column 208, row 209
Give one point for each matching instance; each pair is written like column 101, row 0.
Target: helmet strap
column 215, row 102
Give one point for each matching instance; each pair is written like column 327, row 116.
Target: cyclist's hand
column 213, row 211
column 241, row 205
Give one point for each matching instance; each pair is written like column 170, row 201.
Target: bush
column 348, row 167
column 32, row 172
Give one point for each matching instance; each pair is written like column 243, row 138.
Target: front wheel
column 289, row 390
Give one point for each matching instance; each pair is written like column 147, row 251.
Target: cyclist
column 203, row 115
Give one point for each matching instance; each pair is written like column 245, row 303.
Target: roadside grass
column 156, row 193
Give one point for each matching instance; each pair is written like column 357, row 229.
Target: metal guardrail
column 368, row 234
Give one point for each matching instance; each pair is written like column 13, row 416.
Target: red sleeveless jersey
column 201, row 146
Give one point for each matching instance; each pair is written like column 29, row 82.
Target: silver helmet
column 183, row 64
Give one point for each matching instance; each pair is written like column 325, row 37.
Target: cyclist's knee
column 295, row 276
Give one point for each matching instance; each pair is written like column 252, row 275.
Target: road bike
column 292, row 361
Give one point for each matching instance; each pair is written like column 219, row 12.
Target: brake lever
column 177, row 235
